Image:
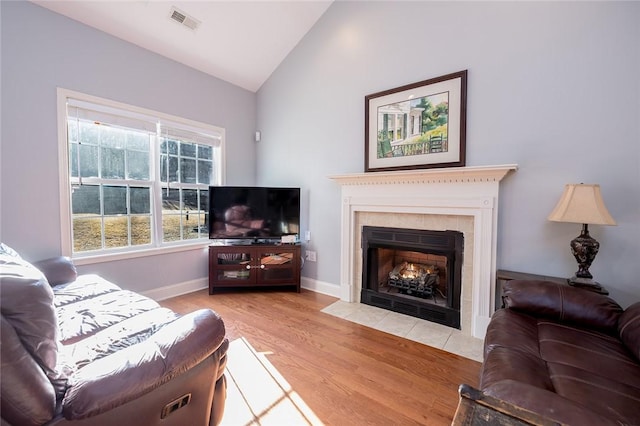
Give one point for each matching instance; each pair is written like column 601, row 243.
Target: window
column 133, row 179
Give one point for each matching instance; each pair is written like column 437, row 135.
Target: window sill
column 111, row 257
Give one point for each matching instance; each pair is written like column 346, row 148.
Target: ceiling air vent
column 182, row 18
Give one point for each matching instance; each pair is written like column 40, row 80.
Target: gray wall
column 552, row 87
column 41, row 51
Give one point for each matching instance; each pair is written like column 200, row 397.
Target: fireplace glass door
column 414, row 272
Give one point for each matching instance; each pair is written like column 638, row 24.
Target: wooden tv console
column 255, row 265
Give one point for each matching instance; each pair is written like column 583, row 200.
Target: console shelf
column 254, row 266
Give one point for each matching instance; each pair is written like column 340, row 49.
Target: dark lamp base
column 584, row 282
column 584, row 248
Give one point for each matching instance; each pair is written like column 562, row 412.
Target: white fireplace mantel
column 446, row 192
column 425, row 176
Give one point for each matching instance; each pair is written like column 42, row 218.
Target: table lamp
column 582, row 203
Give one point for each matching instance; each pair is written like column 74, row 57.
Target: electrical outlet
column 310, row 255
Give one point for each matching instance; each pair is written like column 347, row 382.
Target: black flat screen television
column 252, row 212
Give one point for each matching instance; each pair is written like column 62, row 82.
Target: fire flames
column 414, row 278
column 413, row 270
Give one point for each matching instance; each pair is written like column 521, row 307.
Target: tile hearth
column 411, row 328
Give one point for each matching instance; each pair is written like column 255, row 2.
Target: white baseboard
column 480, row 328
column 177, row 289
column 202, row 283
column 320, row 287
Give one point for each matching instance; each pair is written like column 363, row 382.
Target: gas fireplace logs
column 414, row 279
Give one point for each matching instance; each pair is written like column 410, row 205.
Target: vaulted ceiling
column 238, row 41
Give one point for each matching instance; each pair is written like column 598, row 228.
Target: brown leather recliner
column 80, row 350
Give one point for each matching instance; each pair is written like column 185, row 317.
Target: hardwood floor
column 345, row 372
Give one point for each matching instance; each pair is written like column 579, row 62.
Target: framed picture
column 417, row 126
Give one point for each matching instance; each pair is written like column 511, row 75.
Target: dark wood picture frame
column 417, row 126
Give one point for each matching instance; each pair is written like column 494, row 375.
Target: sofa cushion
column 98, row 318
column 571, row 305
column 91, row 313
column 83, row 288
column 607, row 395
column 629, row 328
column 576, row 347
column 26, row 301
column 511, row 364
column 131, row 331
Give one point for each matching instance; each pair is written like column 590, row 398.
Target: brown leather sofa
column 558, row 354
column 80, row 350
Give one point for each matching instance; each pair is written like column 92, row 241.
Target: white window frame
column 64, row 181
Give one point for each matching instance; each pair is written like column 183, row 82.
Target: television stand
column 254, row 265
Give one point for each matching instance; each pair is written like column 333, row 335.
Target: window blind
column 105, row 115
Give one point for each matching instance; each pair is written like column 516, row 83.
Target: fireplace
column 414, row 272
column 463, row 199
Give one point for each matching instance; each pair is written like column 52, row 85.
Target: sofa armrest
column 27, row 396
column 629, row 328
column 477, row 408
column 518, row 404
column 545, row 404
column 57, row 270
column 134, row 371
column 560, row 302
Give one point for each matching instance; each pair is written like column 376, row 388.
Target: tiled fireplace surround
column 463, row 199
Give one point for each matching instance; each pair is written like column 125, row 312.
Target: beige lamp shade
column 582, row 203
